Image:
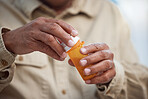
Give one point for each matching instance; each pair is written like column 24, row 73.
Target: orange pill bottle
column 76, row 56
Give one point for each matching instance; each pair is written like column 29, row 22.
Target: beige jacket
column 37, row 76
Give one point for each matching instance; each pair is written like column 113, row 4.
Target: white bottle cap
column 75, row 39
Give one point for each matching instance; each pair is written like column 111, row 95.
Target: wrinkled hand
column 40, row 35
column 101, row 59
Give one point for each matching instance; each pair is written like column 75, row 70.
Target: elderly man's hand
column 40, row 35
column 101, row 59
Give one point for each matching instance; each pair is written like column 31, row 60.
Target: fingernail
column 83, row 50
column 88, row 81
column 64, row 55
column 74, row 32
column 71, row 43
column 87, row 71
column 83, row 62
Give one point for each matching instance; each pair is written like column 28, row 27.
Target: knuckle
column 50, row 39
column 100, row 46
column 91, row 59
column 53, row 26
column 114, row 74
column 35, row 24
column 113, row 65
column 41, row 18
column 59, row 21
column 67, row 37
column 102, row 54
column 93, row 69
column 55, row 20
column 87, row 47
column 88, row 60
column 106, row 78
column 107, row 64
column 105, row 45
column 109, row 54
column 50, row 20
column 69, row 27
column 97, row 46
column 32, row 34
column 38, row 21
column 112, row 55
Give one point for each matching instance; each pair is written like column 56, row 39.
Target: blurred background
column 136, row 14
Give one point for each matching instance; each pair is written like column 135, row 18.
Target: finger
column 58, row 40
column 71, row 63
column 99, row 68
column 104, row 78
column 96, row 57
column 55, row 30
column 52, row 42
column 93, row 48
column 68, row 28
column 42, row 47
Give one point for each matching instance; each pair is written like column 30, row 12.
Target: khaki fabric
column 38, row 76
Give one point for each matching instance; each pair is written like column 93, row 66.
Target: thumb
column 70, row 63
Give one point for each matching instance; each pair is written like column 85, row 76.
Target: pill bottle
column 76, row 56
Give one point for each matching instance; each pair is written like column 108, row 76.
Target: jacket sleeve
column 6, row 63
column 131, row 80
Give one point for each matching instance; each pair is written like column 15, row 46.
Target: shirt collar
column 91, row 7
column 88, row 7
column 27, row 6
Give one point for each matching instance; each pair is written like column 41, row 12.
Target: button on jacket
column 37, row 76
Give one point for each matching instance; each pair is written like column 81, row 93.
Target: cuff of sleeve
column 115, row 86
column 6, row 57
column 6, row 76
